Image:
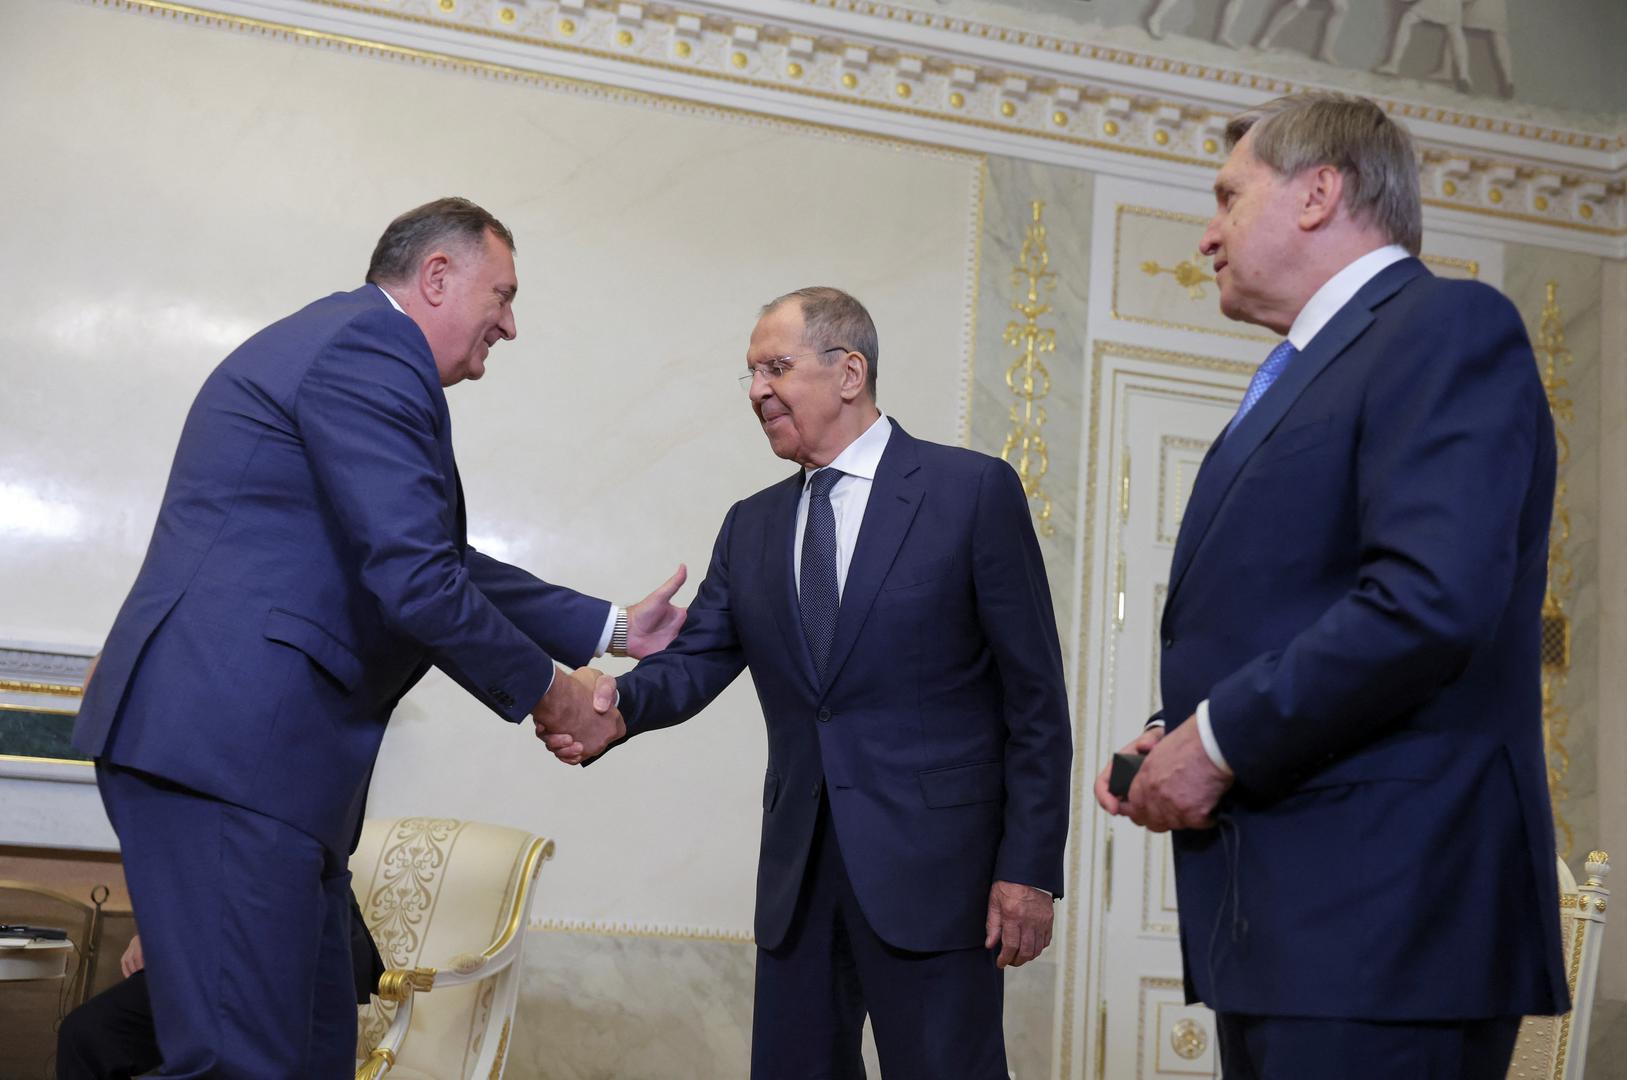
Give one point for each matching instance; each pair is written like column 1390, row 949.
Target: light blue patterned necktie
column 1264, row 376
column 818, row 594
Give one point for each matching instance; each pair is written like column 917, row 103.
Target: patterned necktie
column 819, row 596
column 1264, row 376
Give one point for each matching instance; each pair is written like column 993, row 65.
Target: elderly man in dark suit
column 1353, row 760
column 309, row 564
column 891, row 603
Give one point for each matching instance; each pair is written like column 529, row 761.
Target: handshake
column 577, row 718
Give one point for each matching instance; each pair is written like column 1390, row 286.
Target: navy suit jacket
column 1356, row 590
column 941, row 728
column 308, row 564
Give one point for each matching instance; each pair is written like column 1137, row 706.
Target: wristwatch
column 618, row 634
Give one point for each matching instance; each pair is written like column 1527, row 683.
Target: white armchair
column 456, row 895
column 1555, row 1047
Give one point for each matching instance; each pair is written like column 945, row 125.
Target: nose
column 760, row 388
column 1210, row 243
column 506, row 326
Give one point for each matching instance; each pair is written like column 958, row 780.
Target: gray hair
column 451, row 221
column 831, row 317
column 1356, row 136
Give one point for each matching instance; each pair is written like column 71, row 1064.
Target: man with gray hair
column 309, row 564
column 890, row 600
column 1351, row 730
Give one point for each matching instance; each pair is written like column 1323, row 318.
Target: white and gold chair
column 448, row 902
column 1555, row 1047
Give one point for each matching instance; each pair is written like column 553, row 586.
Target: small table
column 33, row 958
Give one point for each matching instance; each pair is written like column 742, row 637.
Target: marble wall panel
column 1527, row 272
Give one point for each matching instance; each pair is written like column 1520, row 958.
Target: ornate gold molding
column 668, row 933
column 1027, row 376
column 1188, row 275
column 18, row 686
column 893, row 72
column 1552, row 358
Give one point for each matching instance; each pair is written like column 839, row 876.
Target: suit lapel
column 779, row 539
column 1233, row 450
column 895, row 495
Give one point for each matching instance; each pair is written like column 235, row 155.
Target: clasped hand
column 572, row 722
column 1177, row 787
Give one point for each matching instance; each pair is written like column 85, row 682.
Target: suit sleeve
column 563, row 622
column 1014, row 606
column 1447, row 455
column 682, row 679
column 369, row 423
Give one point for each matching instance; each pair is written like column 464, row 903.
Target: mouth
column 1220, row 264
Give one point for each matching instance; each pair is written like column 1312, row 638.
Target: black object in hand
column 1125, row 767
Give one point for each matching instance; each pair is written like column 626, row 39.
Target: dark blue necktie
column 818, row 594
column 1264, row 376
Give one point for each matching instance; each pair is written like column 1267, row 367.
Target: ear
column 432, row 278
column 855, row 374
column 1323, row 186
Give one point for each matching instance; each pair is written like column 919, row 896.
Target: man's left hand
column 1019, row 922
column 654, row 621
column 1178, row 786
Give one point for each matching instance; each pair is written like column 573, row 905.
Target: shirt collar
column 390, row 298
column 863, row 455
column 1325, row 303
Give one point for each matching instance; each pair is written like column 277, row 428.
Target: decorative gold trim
column 537, row 852
column 399, row 984
column 1188, row 274
column 1552, row 357
column 669, row 933
column 1118, row 242
column 1149, row 982
column 1137, row 130
column 1468, row 266
column 17, row 686
column 379, row 1062
column 502, row 1050
column 1027, row 377
column 1191, row 69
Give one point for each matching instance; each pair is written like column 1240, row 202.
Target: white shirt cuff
column 609, row 628
column 1206, row 732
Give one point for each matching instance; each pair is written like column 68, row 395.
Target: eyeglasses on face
column 775, row 369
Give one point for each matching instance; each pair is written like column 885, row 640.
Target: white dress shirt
column 1323, row 305
column 848, row 498
column 610, row 620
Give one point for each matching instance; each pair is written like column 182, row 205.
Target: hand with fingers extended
column 567, row 722
column 1019, row 922
column 654, row 621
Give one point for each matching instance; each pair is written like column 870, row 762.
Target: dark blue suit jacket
column 1356, row 589
column 941, row 729
column 308, row 564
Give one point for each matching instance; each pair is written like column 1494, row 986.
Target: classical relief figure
column 1228, row 20
column 1284, row 14
column 1288, row 9
column 1455, row 17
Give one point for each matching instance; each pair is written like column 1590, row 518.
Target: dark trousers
column 1292, row 1048
column 936, row 1016
column 245, row 928
column 110, row 1036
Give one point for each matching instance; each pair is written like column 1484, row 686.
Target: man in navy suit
column 1353, row 761
column 309, row 564
column 890, row 600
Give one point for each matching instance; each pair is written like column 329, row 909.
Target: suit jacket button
column 1169, row 643
column 816, row 789
column 824, row 716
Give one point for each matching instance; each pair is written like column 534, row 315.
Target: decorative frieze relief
column 1010, row 89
